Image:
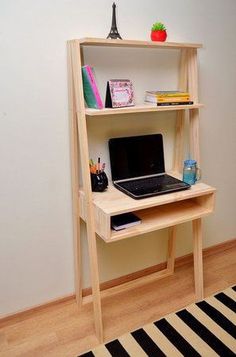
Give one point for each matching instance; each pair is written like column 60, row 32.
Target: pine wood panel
column 74, row 180
column 197, row 255
column 113, row 201
column 141, row 108
column 180, row 116
column 171, row 249
column 135, row 44
column 76, row 60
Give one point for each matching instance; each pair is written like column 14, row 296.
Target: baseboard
column 180, row 261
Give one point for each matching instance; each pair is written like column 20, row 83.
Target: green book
column 91, row 94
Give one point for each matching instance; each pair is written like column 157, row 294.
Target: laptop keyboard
column 152, row 185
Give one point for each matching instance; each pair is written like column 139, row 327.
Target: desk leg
column 171, row 249
column 96, row 294
column 197, row 256
column 78, row 261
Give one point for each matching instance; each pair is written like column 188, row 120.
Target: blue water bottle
column 191, row 173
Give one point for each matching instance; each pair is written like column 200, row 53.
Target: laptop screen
column 136, row 156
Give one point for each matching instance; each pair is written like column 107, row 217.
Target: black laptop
column 138, row 167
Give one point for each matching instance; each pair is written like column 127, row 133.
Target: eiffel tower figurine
column 114, row 32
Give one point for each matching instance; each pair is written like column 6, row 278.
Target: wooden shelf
column 135, row 44
column 144, row 108
column 156, row 212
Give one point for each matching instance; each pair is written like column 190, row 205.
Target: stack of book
column 168, row 97
column 91, row 93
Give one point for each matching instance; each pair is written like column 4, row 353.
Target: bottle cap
column 190, row 162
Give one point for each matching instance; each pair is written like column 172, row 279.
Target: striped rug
column 207, row 328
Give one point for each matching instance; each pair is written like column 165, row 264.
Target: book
column 166, row 99
column 153, row 99
column 189, row 102
column 164, row 94
column 91, row 93
column 124, row 220
column 119, row 93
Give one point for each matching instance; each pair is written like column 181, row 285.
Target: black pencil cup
column 99, row 182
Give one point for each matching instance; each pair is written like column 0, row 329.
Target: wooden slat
column 194, row 135
column 179, row 142
column 197, row 254
column 193, row 74
column 84, row 153
column 75, row 182
column 183, row 70
column 180, row 116
column 132, row 284
column 142, row 108
column 193, row 114
column 171, row 249
column 135, row 44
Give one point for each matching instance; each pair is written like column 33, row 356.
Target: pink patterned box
column 119, row 93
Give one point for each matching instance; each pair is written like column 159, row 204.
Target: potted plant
column 158, row 32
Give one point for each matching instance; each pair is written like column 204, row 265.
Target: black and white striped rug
column 207, row 328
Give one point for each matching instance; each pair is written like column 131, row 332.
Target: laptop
column 138, row 167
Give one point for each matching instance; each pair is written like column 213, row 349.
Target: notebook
column 138, row 166
column 124, row 220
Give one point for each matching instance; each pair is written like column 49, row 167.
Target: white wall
column 36, row 249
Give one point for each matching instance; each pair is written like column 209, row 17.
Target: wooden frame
column 96, row 209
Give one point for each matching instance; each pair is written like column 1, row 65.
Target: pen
column 98, row 167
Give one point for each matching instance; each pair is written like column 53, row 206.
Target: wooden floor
column 62, row 331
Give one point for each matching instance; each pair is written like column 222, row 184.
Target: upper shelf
column 136, row 44
column 139, row 109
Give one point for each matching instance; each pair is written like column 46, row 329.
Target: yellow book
column 173, row 99
column 154, row 99
column 167, row 94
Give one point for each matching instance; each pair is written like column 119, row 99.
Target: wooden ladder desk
column 169, row 210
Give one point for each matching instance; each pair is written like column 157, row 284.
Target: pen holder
column 99, row 182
